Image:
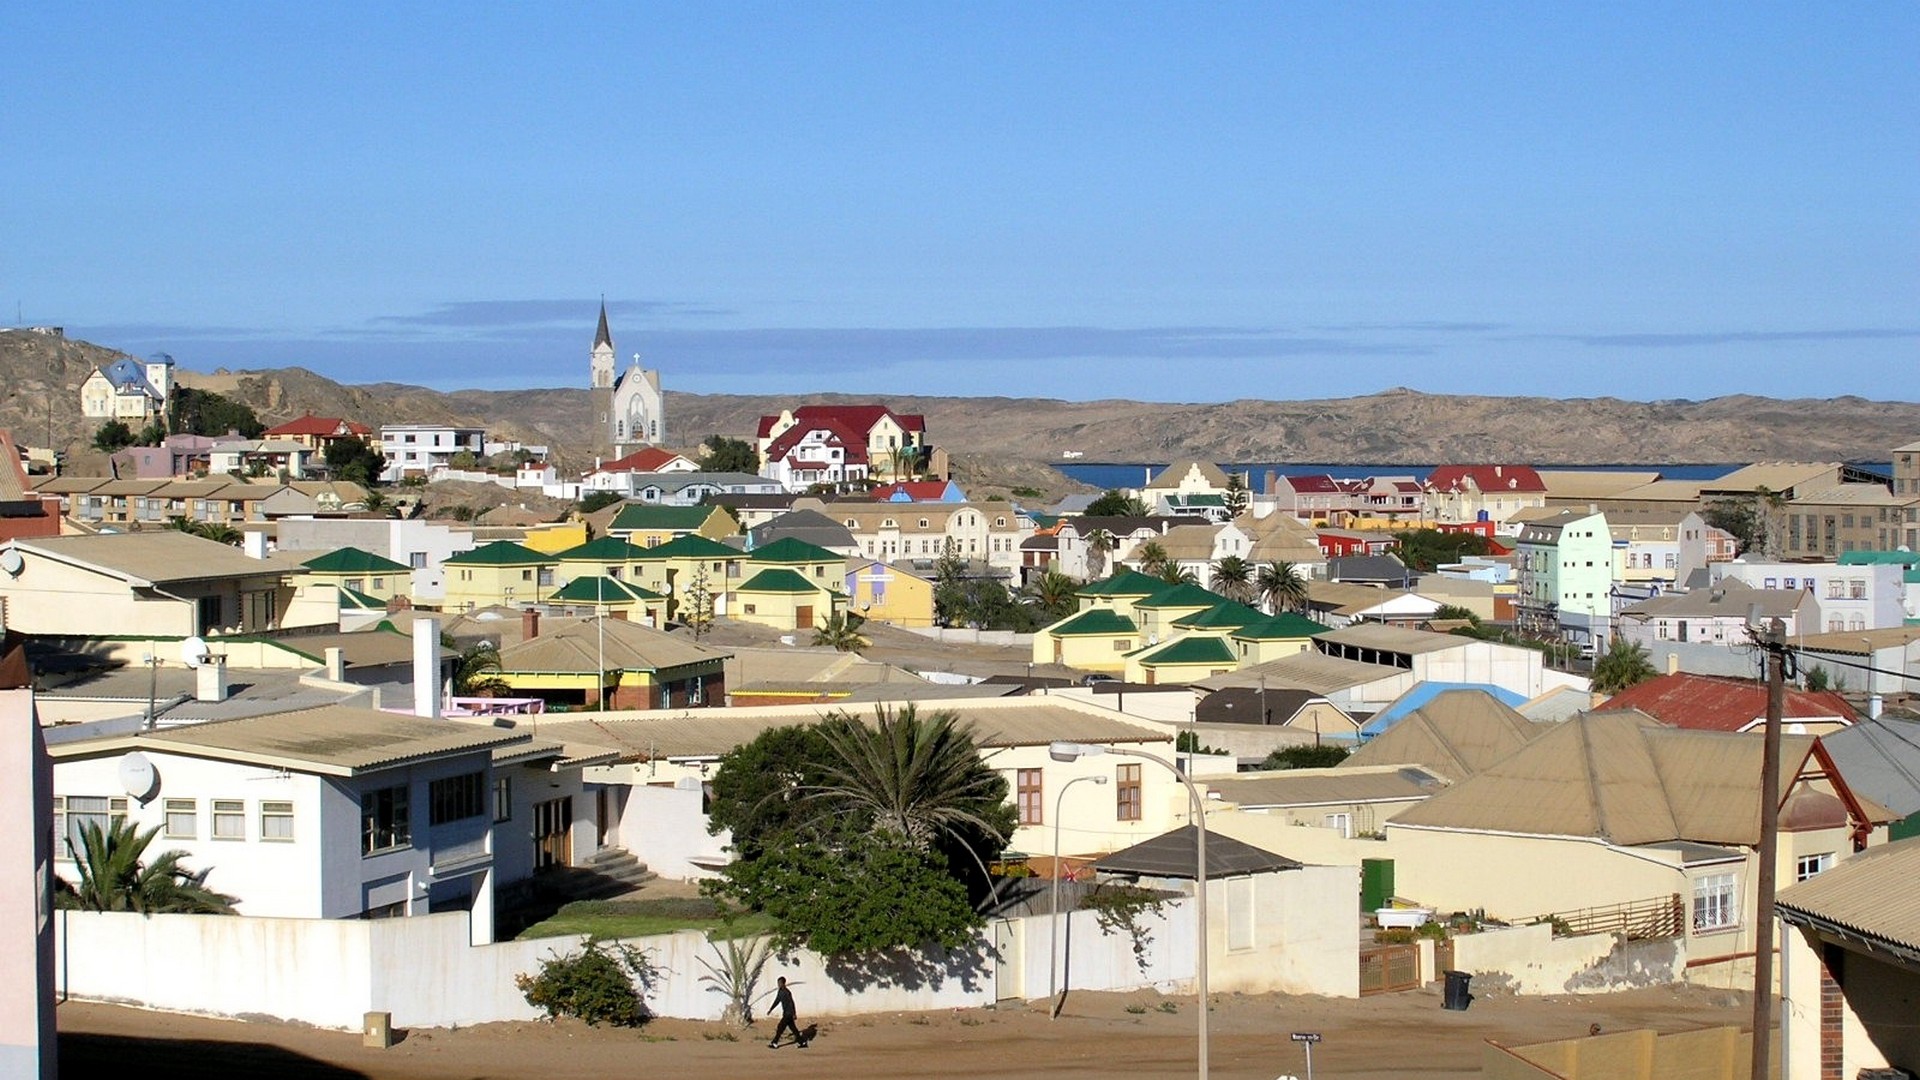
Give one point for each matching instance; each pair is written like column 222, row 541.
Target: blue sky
column 1182, row 202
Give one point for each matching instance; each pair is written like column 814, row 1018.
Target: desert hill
column 1008, row 440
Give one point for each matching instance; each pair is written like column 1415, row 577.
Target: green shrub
column 596, row 984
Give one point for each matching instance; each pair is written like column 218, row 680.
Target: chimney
column 254, row 543
column 426, row 668
column 210, row 679
column 529, row 624
column 1673, row 663
column 1874, row 704
column 1273, row 480
column 336, row 664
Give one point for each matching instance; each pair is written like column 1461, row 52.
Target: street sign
column 1306, row 1036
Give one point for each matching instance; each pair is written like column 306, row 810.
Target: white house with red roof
column 1720, row 703
column 628, row 474
column 1462, row 493
column 315, row 432
column 835, row 444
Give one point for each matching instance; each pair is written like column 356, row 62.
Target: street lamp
column 1053, row 948
column 1073, row 751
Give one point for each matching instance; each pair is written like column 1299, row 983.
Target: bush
column 596, row 984
column 1306, row 757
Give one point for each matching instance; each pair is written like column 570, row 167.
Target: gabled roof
column 643, row 517
column 318, row 427
column 1318, row 484
column 1182, row 595
column 602, row 590
column 1091, row 622
column 1124, row 583
column 860, row 418
column 1176, row 472
column 1487, row 478
column 586, row 645
column 1881, row 760
column 1730, row 598
column 603, row 549
column 1328, row 787
column 1198, row 649
column 647, row 459
column 1456, row 734
column 359, row 601
column 1723, row 703
column 351, row 560
column 1428, row 690
column 1309, row 670
column 1176, row 855
column 913, row 490
column 778, row 580
column 1392, row 639
column 499, row 553
column 152, row 557
column 688, row 546
column 1230, row 615
column 791, row 550
column 1623, row 778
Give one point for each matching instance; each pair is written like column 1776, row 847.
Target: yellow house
column 553, row 538
column 678, row 567
column 1120, row 592
column 609, row 557
column 610, row 596
column 1096, row 639
column 890, row 594
column 810, row 561
column 647, row 526
column 502, row 572
column 345, row 580
column 1157, row 614
column 1183, row 660
column 1284, row 634
column 783, row 599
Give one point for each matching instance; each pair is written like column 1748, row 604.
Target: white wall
column 666, row 828
column 1531, row 960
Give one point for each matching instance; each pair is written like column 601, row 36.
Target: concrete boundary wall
column 1531, row 960
column 425, row 973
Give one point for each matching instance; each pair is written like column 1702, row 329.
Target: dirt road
column 1100, row 1035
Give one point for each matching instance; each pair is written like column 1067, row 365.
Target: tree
column 151, row 435
column 1099, row 545
column 1233, row 578
column 1321, row 756
column 113, row 435
column 1624, row 664
column 917, row 777
column 208, row 530
column 599, row 500
column 1735, row 516
column 1054, row 596
column 1116, row 504
column 950, row 598
column 1455, row 613
column 1152, row 558
column 1426, row 549
column 355, row 460
column 841, row 631
column 697, row 608
column 465, row 459
column 115, row 876
column 721, row 454
column 202, row 412
column 1236, row 498
column 477, row 674
column 1282, row 586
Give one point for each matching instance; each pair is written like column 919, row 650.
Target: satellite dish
column 194, row 651
column 11, row 562
column 138, row 777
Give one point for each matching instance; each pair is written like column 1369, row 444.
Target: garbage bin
column 1457, row 997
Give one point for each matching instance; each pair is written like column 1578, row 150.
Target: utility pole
column 1773, row 640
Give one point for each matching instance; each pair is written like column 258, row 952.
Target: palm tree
column 207, row 530
column 1233, row 578
column 478, row 672
column 1099, row 545
column 1152, row 558
column 841, row 631
column 1624, row 664
column 1054, row 594
column 920, row 777
column 1282, row 586
column 115, row 877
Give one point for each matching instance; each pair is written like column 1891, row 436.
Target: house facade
column 836, row 444
column 162, row 583
column 419, row 449
column 128, row 390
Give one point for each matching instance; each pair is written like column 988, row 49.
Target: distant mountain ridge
column 1006, row 436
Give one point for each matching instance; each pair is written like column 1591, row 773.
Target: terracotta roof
column 1488, row 478
column 644, row 460
column 916, row 490
column 851, row 442
column 1319, row 484
column 1722, row 703
column 317, row 426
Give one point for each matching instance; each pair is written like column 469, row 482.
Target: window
column 73, row 814
column 502, row 799
column 1807, row 866
column 182, row 819
column 384, row 821
column 456, row 798
column 1239, row 892
column 1341, row 823
column 229, row 819
column 1856, row 589
column 276, row 820
column 1127, row 793
column 1027, row 787
column 1715, row 904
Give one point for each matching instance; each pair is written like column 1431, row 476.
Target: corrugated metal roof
column 1321, row 787
column 1871, row 893
column 1394, row 639
column 332, row 740
column 1304, row 671
column 1176, row 855
column 1456, row 734
column 157, row 555
column 1881, row 760
column 1722, row 703
column 603, row 645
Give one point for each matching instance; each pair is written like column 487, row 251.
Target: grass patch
column 644, row 918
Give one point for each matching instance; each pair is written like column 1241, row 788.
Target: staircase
column 606, row 873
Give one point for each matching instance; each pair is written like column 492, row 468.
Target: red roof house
column 1486, row 478
column 1722, row 703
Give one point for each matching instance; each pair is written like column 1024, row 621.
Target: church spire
column 602, row 336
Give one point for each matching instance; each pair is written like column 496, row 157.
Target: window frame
column 1716, row 903
column 1029, row 786
column 275, row 811
column 396, row 829
column 456, row 798
column 170, row 808
column 1128, row 803
column 226, row 811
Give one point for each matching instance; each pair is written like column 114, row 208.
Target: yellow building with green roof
column 784, row 600
column 1188, row 659
column 502, row 572
column 1096, row 639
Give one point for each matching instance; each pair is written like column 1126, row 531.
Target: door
column 803, row 617
column 1007, row 966
column 602, row 817
column 552, row 834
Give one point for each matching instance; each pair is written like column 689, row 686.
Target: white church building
column 629, row 409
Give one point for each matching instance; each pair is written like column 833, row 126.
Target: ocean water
column 1108, row 475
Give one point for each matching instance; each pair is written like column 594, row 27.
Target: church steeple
column 603, row 336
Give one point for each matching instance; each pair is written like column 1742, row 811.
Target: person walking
column 783, row 1001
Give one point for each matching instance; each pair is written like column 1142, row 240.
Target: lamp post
column 1072, row 751
column 1053, row 948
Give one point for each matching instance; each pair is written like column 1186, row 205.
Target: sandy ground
column 1378, row 1038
